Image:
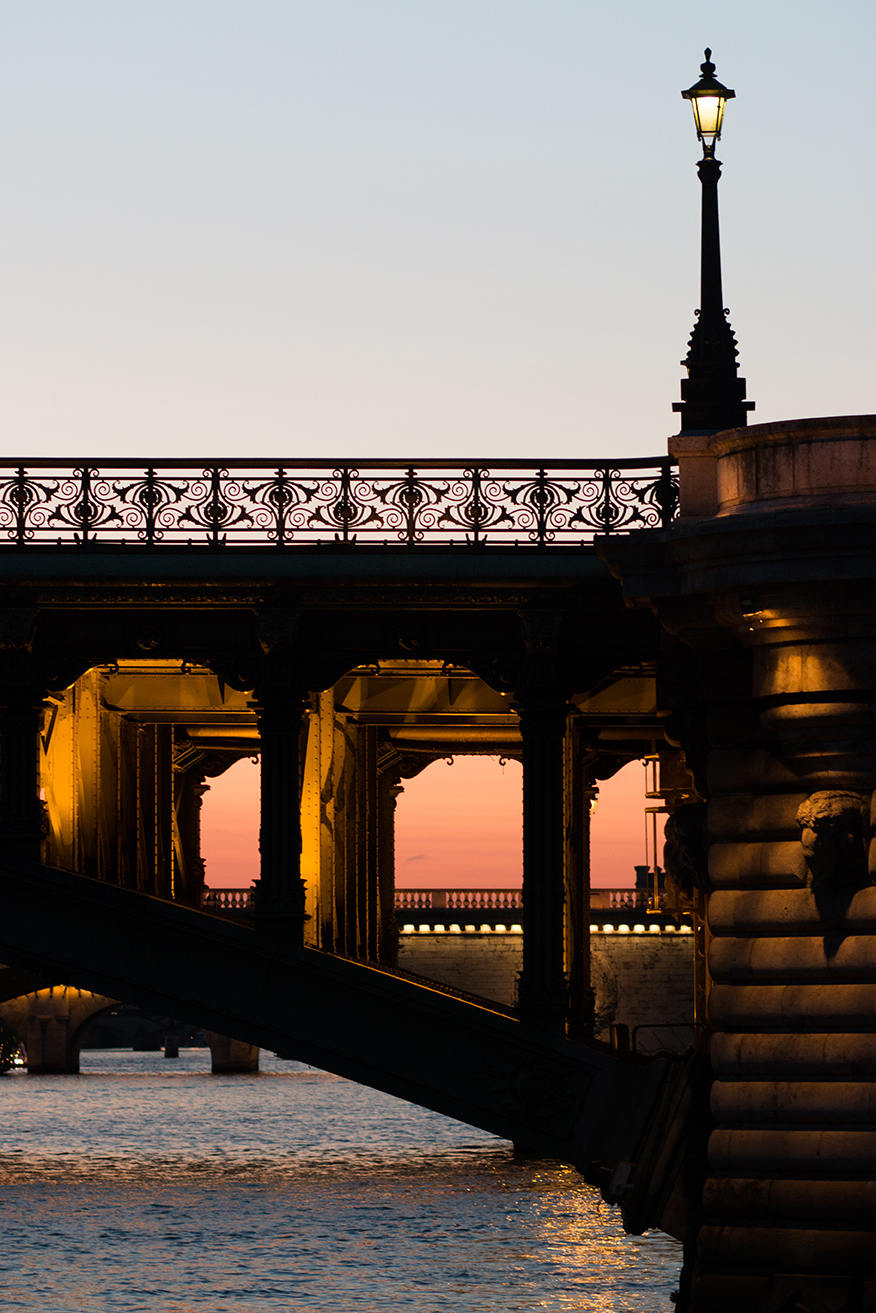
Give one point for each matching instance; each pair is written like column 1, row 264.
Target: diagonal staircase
column 571, row 1101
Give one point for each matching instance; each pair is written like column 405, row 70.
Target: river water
column 147, row 1184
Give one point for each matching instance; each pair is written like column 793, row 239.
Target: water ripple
column 150, row 1185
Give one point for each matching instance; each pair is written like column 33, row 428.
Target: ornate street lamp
column 712, row 395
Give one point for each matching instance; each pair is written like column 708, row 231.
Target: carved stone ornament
column 834, row 835
column 685, row 855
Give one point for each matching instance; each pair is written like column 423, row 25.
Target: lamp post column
column 711, row 292
column 713, row 396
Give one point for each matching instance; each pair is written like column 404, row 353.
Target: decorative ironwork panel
column 340, row 504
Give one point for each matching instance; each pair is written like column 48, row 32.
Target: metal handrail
column 70, row 463
column 344, row 503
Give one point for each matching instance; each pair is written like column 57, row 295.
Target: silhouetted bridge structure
column 350, row 623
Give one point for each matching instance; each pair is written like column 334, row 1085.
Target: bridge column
column 366, row 876
column 189, row 787
column 793, row 971
column 389, row 788
column 773, row 690
column 21, row 813
column 50, row 1045
column 279, row 892
column 579, row 795
column 542, row 980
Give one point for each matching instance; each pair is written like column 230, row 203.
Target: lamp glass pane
column 708, row 112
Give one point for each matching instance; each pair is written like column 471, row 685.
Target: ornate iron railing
column 336, row 503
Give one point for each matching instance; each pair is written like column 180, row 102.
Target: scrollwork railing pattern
column 339, row 504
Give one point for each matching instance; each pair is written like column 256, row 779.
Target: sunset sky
column 458, row 825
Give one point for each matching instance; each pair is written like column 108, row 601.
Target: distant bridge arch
column 51, row 1024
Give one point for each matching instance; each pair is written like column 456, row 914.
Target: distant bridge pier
column 50, row 1022
column 49, row 1046
column 230, row 1057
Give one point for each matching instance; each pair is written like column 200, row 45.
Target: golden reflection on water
column 293, row 1191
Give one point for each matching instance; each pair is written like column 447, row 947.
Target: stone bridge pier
column 49, row 1023
column 769, row 668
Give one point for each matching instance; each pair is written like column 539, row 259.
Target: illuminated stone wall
column 644, row 980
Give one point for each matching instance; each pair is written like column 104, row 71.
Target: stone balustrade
column 450, row 900
column 227, row 900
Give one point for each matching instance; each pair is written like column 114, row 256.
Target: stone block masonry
column 643, row 979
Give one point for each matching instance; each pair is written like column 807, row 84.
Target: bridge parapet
column 459, row 899
column 488, row 903
column 228, row 900
column 606, row 905
column 305, row 503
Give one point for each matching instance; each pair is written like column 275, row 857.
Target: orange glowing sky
column 456, row 825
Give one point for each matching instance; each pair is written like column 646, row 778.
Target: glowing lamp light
column 708, row 98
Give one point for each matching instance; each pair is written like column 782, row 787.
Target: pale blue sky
column 237, row 227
